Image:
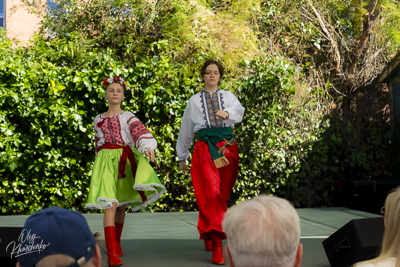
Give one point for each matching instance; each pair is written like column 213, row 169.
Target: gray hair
column 263, row 231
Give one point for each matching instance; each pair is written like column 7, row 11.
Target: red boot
column 113, row 259
column 207, row 244
column 217, row 254
column 118, row 233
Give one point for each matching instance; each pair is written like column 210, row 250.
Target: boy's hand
column 222, row 114
column 183, row 167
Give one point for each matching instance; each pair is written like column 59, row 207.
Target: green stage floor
column 171, row 239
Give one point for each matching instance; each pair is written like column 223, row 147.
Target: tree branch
column 335, row 48
column 308, row 16
column 370, row 18
column 337, row 91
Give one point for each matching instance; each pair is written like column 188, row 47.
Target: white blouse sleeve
column 186, row 133
column 98, row 135
column 234, row 109
column 142, row 138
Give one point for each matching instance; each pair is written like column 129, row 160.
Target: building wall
column 394, row 87
column 20, row 24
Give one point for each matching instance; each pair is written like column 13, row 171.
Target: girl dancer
column 122, row 176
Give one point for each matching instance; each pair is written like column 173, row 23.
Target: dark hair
column 210, row 62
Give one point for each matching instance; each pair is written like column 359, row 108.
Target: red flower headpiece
column 108, row 81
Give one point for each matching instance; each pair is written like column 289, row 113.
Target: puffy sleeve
column 143, row 140
column 186, row 133
column 234, row 109
column 97, row 132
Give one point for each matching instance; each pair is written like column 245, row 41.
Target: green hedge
column 50, row 93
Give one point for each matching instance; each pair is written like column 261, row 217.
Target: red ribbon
column 126, row 154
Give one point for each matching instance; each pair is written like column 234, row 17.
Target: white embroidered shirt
column 200, row 113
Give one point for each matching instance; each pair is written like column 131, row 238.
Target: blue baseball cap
column 55, row 231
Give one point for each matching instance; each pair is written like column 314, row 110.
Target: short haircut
column 210, row 62
column 263, row 231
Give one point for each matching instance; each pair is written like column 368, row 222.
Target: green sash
column 213, row 136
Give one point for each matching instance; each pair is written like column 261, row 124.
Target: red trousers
column 212, row 186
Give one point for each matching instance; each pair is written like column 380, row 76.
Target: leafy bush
column 291, row 142
column 50, row 93
column 48, row 102
column 282, row 149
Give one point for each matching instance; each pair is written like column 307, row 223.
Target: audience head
column 56, row 237
column 391, row 236
column 263, row 231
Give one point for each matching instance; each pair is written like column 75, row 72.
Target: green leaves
column 280, row 140
column 43, row 124
column 49, row 95
column 290, row 140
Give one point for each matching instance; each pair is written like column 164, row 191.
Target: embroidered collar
column 204, row 90
column 102, row 117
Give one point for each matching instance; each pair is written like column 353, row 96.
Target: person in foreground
column 122, row 177
column 263, row 232
column 57, row 237
column 215, row 163
column 390, row 253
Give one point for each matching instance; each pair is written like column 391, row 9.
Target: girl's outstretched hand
column 150, row 154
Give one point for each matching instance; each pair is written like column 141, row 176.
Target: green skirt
column 105, row 187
